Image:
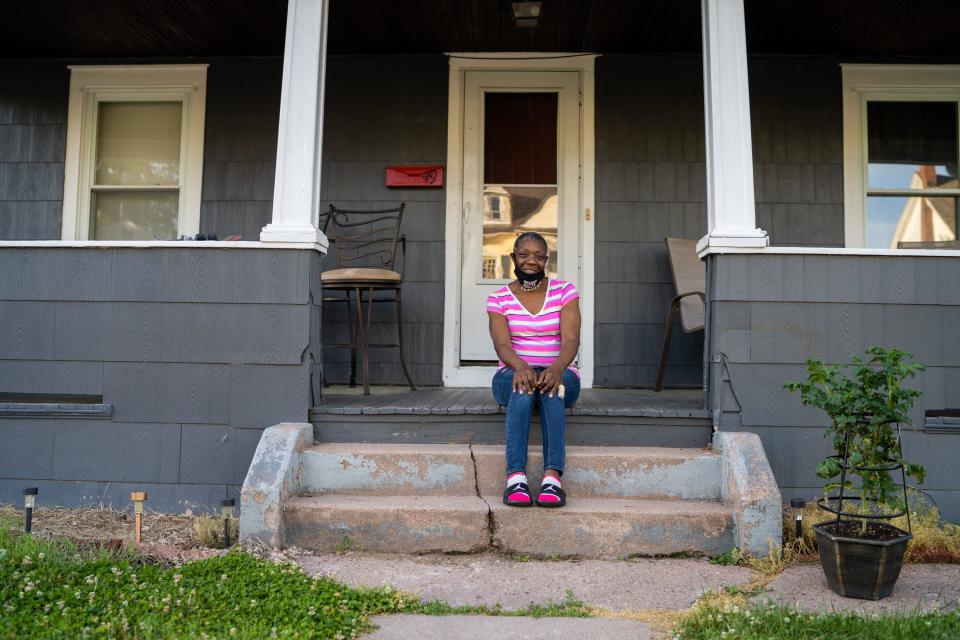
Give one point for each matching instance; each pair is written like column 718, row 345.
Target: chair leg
column 353, row 343
column 665, row 346
column 403, row 361
column 361, row 337
column 366, row 344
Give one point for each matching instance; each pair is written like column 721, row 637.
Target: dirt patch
column 90, row 526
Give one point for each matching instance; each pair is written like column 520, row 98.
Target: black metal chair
column 365, row 245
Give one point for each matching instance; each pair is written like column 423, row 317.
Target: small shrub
column 208, row 531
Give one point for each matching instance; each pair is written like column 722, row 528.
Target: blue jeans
column 520, row 410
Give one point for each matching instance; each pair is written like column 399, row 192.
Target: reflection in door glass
column 509, row 211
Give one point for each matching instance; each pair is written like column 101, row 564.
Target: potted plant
column 867, row 403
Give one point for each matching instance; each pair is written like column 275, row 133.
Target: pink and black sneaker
column 517, row 494
column 551, row 494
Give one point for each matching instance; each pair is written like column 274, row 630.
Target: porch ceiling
column 187, row 28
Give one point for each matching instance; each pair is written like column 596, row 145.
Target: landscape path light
column 138, row 497
column 797, row 505
column 29, row 502
column 227, row 506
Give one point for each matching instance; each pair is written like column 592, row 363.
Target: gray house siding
column 651, row 183
column 197, row 350
column 769, row 313
column 240, row 146
column 381, row 111
column 33, row 135
column 392, row 110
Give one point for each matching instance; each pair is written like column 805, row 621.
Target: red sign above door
column 415, row 176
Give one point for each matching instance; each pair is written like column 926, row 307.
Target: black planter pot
column 857, row 568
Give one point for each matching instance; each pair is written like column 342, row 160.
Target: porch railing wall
column 196, row 349
column 769, row 313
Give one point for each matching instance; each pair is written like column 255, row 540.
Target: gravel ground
column 488, row 579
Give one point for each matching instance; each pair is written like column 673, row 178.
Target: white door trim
column 455, row 375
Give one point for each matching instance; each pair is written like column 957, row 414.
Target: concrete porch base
column 408, row 498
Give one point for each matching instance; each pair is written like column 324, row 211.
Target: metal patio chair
column 690, row 282
column 366, row 258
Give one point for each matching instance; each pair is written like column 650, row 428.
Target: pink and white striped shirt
column 534, row 337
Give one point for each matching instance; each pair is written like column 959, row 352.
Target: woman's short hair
column 530, row 235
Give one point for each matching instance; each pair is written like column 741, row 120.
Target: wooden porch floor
column 636, row 403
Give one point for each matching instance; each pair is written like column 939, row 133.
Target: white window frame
column 90, row 85
column 864, row 83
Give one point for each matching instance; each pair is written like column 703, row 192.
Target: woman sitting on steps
column 535, row 327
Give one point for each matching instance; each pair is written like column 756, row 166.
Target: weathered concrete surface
column 613, row 528
column 408, row 524
column 393, row 469
column 491, row 579
column 636, row 472
column 404, row 627
column 271, row 480
column 921, row 587
column 749, row 487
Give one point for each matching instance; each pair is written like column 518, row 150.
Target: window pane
column 138, row 143
column 141, row 215
column 912, row 145
column 508, row 212
column 891, row 220
column 520, row 138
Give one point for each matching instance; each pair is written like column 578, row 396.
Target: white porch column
column 731, row 214
column 296, row 190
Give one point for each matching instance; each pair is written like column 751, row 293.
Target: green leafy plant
column 864, row 400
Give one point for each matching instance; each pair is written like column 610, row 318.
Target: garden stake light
column 227, row 514
column 138, row 497
column 29, row 501
column 798, row 505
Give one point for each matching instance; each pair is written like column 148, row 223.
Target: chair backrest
column 689, row 276
column 365, row 238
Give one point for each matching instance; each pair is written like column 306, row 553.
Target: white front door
column 521, row 172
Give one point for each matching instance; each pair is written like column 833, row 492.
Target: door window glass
column 520, row 177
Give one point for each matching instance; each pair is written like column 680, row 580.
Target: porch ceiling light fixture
column 526, row 15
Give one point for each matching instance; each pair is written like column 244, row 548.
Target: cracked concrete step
column 614, row 527
column 586, row 527
column 408, row 469
column 400, row 524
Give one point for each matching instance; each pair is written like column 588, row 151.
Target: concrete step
column 586, row 527
column 451, row 470
column 613, row 527
column 396, row 469
column 392, row 524
column 610, row 472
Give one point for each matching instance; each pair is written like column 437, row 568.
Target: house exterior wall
column 197, row 351
column 381, row 111
column 770, row 313
column 33, row 137
column 651, row 183
column 651, row 180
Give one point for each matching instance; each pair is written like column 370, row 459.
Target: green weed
column 774, row 622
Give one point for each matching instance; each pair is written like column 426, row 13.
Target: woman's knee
column 571, row 385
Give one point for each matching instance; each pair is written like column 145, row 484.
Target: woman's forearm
column 568, row 353
column 509, row 357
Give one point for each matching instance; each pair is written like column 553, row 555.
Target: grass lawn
column 769, row 622
column 50, row 588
